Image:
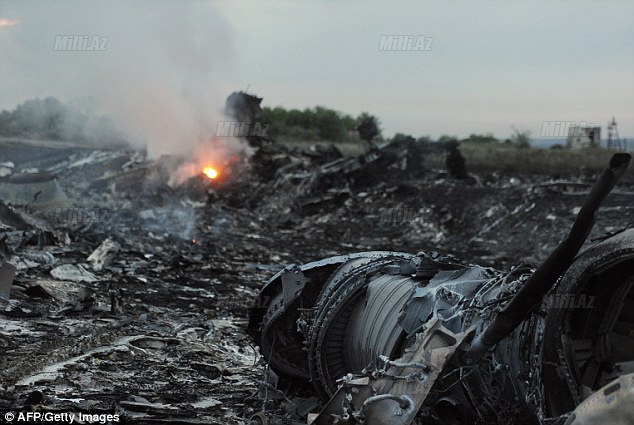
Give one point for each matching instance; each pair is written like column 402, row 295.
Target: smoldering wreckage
column 155, row 301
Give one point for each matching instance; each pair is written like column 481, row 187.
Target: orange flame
column 210, row 172
column 5, row 22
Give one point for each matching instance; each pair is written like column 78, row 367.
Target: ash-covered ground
column 134, row 299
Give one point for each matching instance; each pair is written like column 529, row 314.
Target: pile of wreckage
column 119, row 302
column 121, row 293
column 395, row 338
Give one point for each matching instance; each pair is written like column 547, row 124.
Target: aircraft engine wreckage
column 398, row 338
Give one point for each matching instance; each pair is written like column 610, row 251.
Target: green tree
column 481, row 138
column 446, row 138
column 310, row 124
column 368, row 127
column 521, row 139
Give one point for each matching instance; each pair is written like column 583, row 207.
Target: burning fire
column 210, row 172
column 5, row 22
column 210, row 160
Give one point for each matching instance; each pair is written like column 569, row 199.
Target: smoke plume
column 149, row 66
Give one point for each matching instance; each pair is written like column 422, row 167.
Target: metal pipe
column 543, row 279
column 403, row 401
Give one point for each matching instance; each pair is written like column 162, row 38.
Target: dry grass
column 537, row 161
column 490, row 157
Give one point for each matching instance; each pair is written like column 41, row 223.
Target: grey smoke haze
column 155, row 78
column 493, row 64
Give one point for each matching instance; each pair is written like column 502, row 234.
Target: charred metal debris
column 120, row 292
column 396, row 338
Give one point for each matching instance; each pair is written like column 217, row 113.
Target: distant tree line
column 519, row 138
column 51, row 119
column 319, row 123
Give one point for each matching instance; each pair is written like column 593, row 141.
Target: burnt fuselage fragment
column 392, row 338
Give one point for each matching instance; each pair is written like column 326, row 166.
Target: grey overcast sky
column 492, row 64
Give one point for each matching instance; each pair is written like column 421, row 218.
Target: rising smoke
column 155, row 77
